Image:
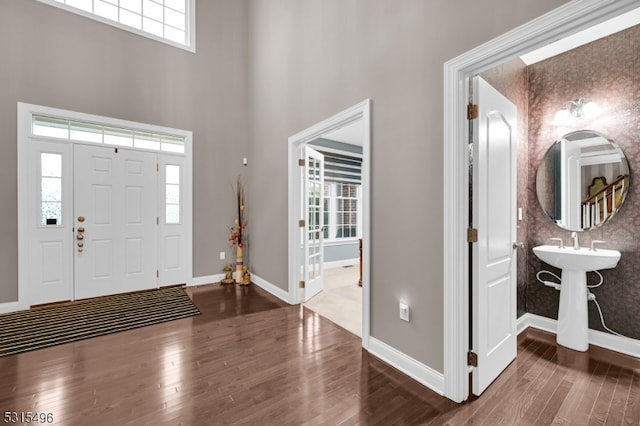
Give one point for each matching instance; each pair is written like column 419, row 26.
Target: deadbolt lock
column 80, row 218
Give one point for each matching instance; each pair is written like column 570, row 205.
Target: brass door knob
column 81, row 229
column 80, row 218
column 80, row 244
column 80, row 237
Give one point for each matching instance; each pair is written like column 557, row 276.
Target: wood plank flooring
column 251, row 359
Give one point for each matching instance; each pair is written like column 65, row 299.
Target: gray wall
column 392, row 52
column 338, row 252
column 55, row 58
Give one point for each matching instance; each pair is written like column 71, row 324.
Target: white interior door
column 314, row 222
column 494, row 216
column 115, row 219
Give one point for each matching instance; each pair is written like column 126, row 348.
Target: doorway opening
column 329, row 218
column 560, row 23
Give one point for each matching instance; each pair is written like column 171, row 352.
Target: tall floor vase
column 239, row 264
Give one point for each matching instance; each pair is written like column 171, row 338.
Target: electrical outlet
column 223, row 255
column 404, row 311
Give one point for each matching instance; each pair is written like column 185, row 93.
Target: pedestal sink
column 573, row 320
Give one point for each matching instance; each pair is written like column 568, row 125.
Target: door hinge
column 301, row 284
column 472, row 111
column 301, row 223
column 472, row 359
column 157, row 220
column 157, row 167
column 472, row 235
column 301, row 162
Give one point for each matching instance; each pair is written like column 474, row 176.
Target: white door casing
column 313, row 177
column 115, row 214
column 494, row 216
column 157, row 248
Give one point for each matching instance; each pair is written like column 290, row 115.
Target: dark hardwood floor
column 251, row 359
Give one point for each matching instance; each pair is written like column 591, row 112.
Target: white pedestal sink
column 573, row 319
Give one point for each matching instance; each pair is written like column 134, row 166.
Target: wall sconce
column 578, row 108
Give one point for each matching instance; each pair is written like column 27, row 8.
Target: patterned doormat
column 52, row 325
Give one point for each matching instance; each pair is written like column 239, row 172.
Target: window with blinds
column 169, row 21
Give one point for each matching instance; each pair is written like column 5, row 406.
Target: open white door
column 494, row 217
column 314, row 222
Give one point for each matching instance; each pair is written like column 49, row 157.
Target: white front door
column 494, row 216
column 115, row 219
column 314, row 222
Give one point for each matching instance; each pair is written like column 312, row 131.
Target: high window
column 169, row 21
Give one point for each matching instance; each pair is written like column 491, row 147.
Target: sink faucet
column 576, row 243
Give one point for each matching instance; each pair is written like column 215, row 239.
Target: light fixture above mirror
column 577, row 108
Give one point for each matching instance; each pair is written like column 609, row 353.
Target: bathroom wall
column 606, row 71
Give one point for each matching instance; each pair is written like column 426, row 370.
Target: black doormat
column 46, row 326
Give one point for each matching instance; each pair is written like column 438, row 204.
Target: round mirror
column 582, row 180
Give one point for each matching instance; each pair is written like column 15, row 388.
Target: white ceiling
column 619, row 23
column 352, row 133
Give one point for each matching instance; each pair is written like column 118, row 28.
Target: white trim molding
column 9, row 307
column 272, row 288
column 360, row 111
column 205, row 279
column 625, row 345
column 568, row 19
column 409, row 366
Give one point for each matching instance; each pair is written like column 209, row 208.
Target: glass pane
column 85, row 132
column 147, row 141
column 50, row 165
column 173, row 174
column 174, row 19
column 152, row 10
column 132, row 5
column 105, row 10
column 120, row 137
column 173, row 194
column 131, row 19
column 172, row 214
column 152, row 27
column 51, row 210
column 179, row 5
column 51, row 189
column 50, row 127
column 173, row 34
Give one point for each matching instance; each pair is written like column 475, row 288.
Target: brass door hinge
column 472, row 235
column 472, row 359
column 301, row 284
column 301, row 162
column 157, row 273
column 472, row 111
column 301, row 223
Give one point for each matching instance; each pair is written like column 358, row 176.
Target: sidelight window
column 50, row 189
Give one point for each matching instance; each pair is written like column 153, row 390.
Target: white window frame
column 332, row 223
column 190, row 24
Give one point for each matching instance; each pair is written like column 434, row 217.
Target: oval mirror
column 582, row 180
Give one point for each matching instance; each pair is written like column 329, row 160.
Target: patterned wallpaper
column 608, row 72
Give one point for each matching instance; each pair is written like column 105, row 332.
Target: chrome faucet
column 560, row 242
column 576, row 243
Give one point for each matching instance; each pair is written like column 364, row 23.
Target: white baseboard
column 8, row 307
column 409, row 366
column 271, row 288
column 207, row 279
column 625, row 345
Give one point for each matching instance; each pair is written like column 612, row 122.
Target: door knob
column 80, row 218
column 81, row 229
column 79, row 237
column 517, row 245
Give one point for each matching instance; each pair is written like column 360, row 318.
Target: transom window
column 169, row 21
column 81, row 131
